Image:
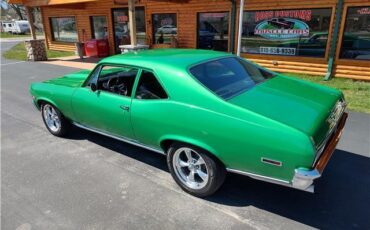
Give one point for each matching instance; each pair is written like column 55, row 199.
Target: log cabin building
column 320, row 37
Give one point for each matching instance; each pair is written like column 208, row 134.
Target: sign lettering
column 282, row 28
column 305, row 15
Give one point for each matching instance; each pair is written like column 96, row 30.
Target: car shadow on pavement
column 146, row 156
column 341, row 199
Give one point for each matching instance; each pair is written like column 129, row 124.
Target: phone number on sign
column 277, row 50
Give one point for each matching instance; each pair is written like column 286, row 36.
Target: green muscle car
column 208, row 112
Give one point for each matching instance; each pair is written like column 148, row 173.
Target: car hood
column 71, row 80
column 299, row 104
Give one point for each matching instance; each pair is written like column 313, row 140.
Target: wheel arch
column 41, row 100
column 167, row 141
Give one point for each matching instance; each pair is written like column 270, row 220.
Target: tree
column 19, row 10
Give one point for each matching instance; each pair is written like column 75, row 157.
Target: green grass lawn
column 18, row 52
column 9, row 35
column 357, row 93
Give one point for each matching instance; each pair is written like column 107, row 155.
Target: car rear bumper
column 303, row 178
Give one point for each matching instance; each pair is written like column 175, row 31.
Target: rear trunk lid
column 299, row 104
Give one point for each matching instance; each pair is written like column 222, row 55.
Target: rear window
column 228, row 77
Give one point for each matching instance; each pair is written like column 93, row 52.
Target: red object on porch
column 97, row 48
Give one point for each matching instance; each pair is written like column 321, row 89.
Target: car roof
column 180, row 59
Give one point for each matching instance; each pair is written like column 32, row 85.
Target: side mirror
column 93, row 87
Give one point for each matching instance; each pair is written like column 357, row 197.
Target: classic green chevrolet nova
column 208, row 112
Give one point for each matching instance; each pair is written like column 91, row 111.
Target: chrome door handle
column 125, row 107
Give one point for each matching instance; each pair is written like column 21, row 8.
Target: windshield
column 228, row 77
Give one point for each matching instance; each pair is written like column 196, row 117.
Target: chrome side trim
column 285, row 183
column 259, row 177
column 132, row 142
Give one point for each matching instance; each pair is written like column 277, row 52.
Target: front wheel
column 54, row 120
column 195, row 170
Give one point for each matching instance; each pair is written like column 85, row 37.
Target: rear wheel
column 54, row 120
column 195, row 170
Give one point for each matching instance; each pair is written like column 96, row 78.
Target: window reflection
column 64, row 29
column 164, row 28
column 356, row 37
column 99, row 27
column 213, row 31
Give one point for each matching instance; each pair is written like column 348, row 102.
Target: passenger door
column 107, row 108
column 150, row 110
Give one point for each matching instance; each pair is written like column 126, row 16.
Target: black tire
column 215, row 169
column 65, row 125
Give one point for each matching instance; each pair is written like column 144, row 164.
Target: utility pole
column 132, row 22
column 240, row 29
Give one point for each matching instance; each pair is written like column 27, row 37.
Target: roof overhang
column 15, row 2
column 48, row 2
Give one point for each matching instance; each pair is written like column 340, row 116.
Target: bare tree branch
column 19, row 10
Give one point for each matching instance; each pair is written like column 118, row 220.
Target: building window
column 99, row 28
column 164, row 28
column 356, row 37
column 121, row 27
column 300, row 32
column 64, row 29
column 213, row 31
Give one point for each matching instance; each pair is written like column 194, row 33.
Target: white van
column 7, row 27
column 21, row 27
column 16, row 27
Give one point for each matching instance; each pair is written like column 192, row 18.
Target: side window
column 117, row 79
column 94, row 76
column 149, row 87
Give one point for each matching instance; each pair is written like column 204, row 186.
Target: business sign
column 282, row 24
column 292, row 32
column 121, row 16
column 282, row 28
column 166, row 21
column 303, row 15
column 364, row 11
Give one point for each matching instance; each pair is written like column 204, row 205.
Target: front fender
column 57, row 95
column 39, row 99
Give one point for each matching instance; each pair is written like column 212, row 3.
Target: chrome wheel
column 51, row 118
column 190, row 168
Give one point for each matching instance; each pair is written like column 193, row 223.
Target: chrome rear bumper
column 303, row 178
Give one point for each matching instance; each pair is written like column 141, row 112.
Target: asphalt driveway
column 88, row 181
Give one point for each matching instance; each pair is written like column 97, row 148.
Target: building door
column 213, row 31
column 121, row 28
